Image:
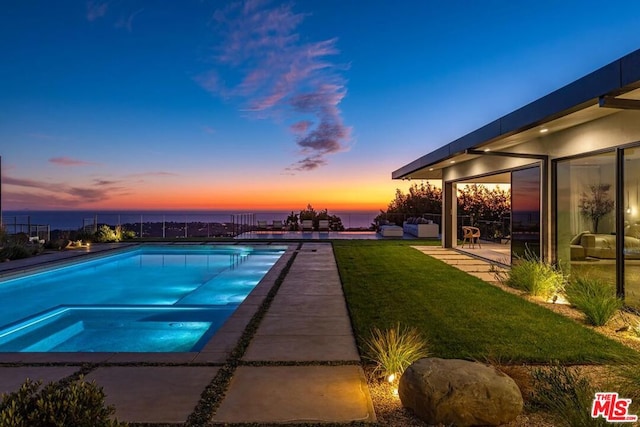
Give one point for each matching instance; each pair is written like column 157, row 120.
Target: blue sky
column 264, row 104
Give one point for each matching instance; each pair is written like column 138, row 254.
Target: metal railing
column 209, row 225
column 14, row 227
column 170, row 225
column 489, row 229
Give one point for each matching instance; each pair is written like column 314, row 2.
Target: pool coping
column 215, row 352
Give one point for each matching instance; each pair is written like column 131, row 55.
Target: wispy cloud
column 64, row 192
column 68, row 161
column 96, row 9
column 156, row 173
column 46, row 136
column 278, row 75
column 126, row 22
column 208, row 129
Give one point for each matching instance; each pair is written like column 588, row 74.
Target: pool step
column 115, row 329
column 227, row 287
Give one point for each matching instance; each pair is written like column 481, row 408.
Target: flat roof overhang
column 595, row 95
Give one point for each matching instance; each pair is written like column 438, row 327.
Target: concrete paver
column 285, row 394
column 304, row 325
column 317, row 305
column 481, row 269
column 301, row 348
column 13, row 377
column 308, row 319
column 153, row 394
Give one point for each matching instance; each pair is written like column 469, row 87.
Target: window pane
column 525, row 212
column 631, row 227
column 585, row 217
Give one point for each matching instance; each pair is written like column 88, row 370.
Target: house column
column 449, row 215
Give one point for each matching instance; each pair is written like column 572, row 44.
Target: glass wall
column 585, row 216
column 525, row 212
column 631, row 192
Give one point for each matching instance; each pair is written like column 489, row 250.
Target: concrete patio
column 307, row 327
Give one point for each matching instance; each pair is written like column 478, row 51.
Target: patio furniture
column 277, row 225
column 307, row 225
column 391, row 231
column 323, row 225
column 262, row 225
column 471, row 236
column 421, row 229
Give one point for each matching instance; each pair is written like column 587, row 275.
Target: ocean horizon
column 76, row 219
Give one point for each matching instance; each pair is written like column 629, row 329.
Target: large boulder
column 459, row 392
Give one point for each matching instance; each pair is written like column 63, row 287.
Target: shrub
column 56, row 244
column 393, row 350
column 125, row 234
column 535, row 277
column 595, row 298
column 76, row 403
column 106, row 234
column 19, row 239
column 15, row 251
column 83, row 236
column 566, row 395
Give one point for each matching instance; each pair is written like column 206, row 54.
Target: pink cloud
column 308, row 164
column 301, row 127
column 156, row 173
column 102, row 190
column 279, row 76
column 68, row 161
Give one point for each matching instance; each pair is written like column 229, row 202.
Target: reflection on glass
column 631, row 178
column 585, row 217
column 525, row 212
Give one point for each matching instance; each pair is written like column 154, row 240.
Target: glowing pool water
column 151, row 299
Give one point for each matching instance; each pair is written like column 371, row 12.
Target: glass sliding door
column 525, row 212
column 631, row 192
column 585, row 216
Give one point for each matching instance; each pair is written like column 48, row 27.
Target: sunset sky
column 202, row 104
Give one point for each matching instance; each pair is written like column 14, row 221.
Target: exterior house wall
column 607, row 132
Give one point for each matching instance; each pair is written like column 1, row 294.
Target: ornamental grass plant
column 566, row 395
column 537, row 278
column 394, row 349
column 595, row 298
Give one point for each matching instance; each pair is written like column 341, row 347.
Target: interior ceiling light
column 544, row 130
column 486, row 150
column 430, row 169
column 452, row 161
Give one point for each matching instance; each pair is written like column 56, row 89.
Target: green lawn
column 386, row 282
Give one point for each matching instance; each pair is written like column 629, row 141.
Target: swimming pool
column 149, row 299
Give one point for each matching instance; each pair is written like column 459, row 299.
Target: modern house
column 572, row 159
